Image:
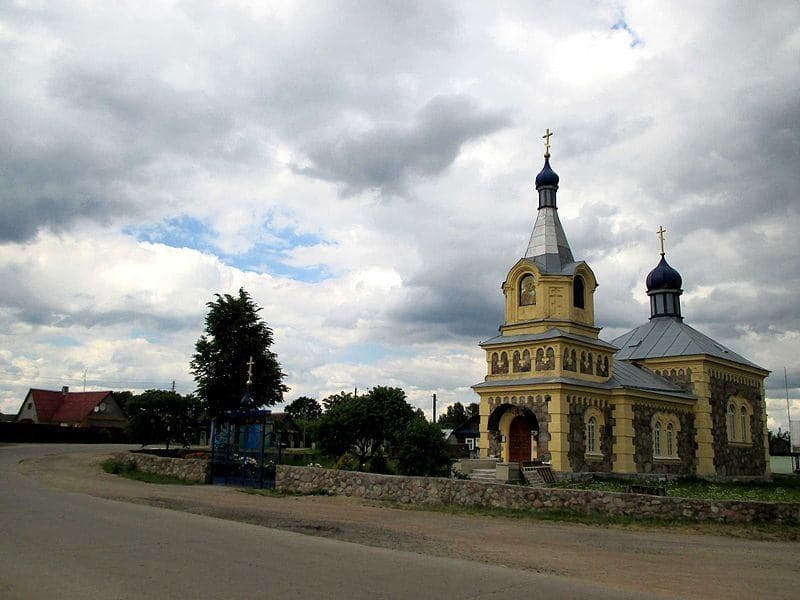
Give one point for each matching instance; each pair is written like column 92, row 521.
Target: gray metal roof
column 625, row 375
column 666, row 336
column 547, row 335
column 548, row 245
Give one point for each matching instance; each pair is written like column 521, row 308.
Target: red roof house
column 71, row 409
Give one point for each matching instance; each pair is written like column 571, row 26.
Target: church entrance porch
column 513, row 434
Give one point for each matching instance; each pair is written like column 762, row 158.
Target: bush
column 118, row 467
column 423, row 450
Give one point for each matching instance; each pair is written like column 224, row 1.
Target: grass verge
column 284, row 493
column 128, row 469
column 784, row 532
column 782, row 488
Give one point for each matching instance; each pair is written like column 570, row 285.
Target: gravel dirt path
column 673, row 563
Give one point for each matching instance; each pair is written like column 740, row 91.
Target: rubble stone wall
column 188, row 469
column 460, row 492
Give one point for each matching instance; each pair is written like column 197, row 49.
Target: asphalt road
column 58, row 544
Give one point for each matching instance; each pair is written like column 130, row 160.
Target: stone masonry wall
column 577, row 440
column 188, row 469
column 643, row 443
column 730, row 459
column 460, row 492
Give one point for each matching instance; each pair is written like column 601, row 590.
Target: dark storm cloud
column 386, row 156
column 129, row 103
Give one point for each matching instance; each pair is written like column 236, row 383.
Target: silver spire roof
column 548, row 246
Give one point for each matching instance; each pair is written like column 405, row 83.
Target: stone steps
column 485, row 475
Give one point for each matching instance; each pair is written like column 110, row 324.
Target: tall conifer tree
column 234, row 333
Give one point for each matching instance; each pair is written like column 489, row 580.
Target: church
column 661, row 399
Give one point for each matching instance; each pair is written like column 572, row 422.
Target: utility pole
column 434, row 408
column 173, row 386
column 788, row 411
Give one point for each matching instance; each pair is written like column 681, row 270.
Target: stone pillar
column 558, row 407
column 623, row 432
column 483, row 441
column 703, row 422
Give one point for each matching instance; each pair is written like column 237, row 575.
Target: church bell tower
column 548, row 339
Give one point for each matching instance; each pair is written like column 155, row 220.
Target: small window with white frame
column 594, row 422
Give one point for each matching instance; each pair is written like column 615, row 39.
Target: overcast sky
column 365, row 170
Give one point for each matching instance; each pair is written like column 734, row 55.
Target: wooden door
column 519, row 440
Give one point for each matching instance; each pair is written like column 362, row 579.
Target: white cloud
column 228, row 134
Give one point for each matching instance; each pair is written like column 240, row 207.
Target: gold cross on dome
column 250, row 364
column 546, row 137
column 661, row 231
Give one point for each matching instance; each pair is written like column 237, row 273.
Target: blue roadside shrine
column 244, row 444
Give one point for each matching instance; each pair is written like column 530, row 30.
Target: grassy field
column 783, row 488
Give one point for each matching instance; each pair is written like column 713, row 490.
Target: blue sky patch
column 622, row 24
column 262, row 257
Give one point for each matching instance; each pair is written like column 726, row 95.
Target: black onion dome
column 546, row 177
column 664, row 277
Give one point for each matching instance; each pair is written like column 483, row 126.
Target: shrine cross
column 661, row 231
column 250, row 364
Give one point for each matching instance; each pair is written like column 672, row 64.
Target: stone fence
column 188, row 469
column 460, row 492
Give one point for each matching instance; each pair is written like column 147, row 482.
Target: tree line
column 375, row 431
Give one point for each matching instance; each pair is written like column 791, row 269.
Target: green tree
column 234, row 333
column 454, row 416
column 305, row 411
column 365, row 426
column 473, row 409
column 304, row 408
column 335, row 399
column 779, row 443
column 162, row 416
column 423, row 450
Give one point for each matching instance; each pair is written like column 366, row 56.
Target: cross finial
column 546, row 137
column 250, row 364
column 661, row 231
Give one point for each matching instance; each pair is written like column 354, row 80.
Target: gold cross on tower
column 661, row 231
column 546, row 137
column 250, row 364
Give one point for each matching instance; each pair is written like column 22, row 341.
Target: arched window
column 527, row 291
column 731, row 422
column 526, row 360
column 495, row 363
column 657, row 439
column 503, row 363
column 591, row 435
column 577, row 292
column 515, row 362
column 551, row 359
column 744, row 424
column 670, row 441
